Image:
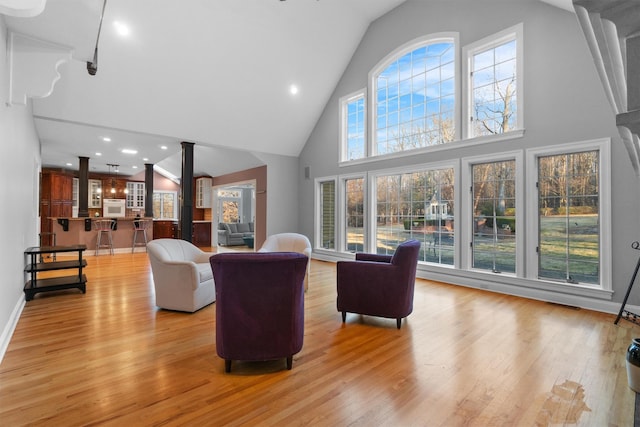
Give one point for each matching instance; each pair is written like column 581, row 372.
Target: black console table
column 35, row 285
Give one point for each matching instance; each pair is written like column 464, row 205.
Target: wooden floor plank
column 463, row 357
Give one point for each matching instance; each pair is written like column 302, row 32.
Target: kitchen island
column 81, row 231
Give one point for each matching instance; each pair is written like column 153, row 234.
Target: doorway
column 235, row 204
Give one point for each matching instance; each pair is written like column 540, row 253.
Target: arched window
column 414, row 97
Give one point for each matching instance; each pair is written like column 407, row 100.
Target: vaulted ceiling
column 216, row 73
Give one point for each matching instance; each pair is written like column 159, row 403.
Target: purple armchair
column 260, row 305
column 379, row 285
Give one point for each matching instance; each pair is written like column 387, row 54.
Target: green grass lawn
column 569, row 248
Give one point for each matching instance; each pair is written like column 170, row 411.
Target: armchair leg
column 289, row 362
column 399, row 322
column 227, row 365
column 344, row 316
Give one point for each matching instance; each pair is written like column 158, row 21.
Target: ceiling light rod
column 92, row 67
column 113, row 179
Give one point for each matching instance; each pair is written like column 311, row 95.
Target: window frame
column 344, row 125
column 342, row 206
column 452, row 37
column 371, row 229
column 603, row 146
column 467, row 210
column 318, row 214
column 176, row 205
column 516, row 33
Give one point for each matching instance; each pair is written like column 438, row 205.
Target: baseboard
column 591, row 299
column 7, row 333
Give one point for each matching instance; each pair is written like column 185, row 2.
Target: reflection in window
column 494, row 216
column 568, row 206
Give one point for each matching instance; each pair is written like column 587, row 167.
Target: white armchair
column 182, row 275
column 290, row 242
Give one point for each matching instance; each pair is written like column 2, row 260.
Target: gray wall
column 563, row 102
column 282, row 193
column 19, row 168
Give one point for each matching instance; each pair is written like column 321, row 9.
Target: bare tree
column 486, row 116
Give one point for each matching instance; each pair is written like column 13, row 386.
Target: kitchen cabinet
column 35, row 285
column 56, row 201
column 95, row 194
column 201, row 234
column 203, row 192
column 165, row 230
column 135, row 195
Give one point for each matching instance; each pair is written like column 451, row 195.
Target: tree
column 493, row 113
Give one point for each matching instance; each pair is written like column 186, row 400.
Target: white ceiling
column 215, row 73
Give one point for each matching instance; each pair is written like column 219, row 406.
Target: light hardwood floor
column 463, row 357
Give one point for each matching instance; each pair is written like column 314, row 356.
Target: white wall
column 19, row 173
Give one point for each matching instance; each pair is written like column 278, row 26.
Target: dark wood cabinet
column 56, row 201
column 201, row 234
column 165, row 229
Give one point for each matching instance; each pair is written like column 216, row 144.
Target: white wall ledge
column 33, row 67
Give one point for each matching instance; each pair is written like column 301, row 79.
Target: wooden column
column 83, row 187
column 148, row 188
column 186, row 192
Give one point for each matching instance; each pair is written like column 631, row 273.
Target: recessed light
column 121, row 28
column 134, row 167
column 69, row 164
column 293, row 89
column 163, row 147
column 98, row 154
column 129, row 151
column 145, row 159
column 106, row 139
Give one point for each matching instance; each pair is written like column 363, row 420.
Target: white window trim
column 344, row 128
column 515, row 32
column 370, row 183
column 342, row 206
column 175, row 205
column 603, row 146
column 465, row 226
column 396, row 53
column 318, row 215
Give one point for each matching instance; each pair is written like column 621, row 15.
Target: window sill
column 510, row 284
column 461, row 143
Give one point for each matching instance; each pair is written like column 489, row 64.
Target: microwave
column 113, row 208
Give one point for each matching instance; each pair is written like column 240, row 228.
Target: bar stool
column 104, row 228
column 139, row 226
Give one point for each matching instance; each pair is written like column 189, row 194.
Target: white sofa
column 182, row 275
column 290, row 242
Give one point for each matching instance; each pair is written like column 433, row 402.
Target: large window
column 354, row 214
column 353, row 124
column 414, row 98
column 494, row 216
column 417, row 205
column 539, row 216
column 569, row 206
column 494, row 95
